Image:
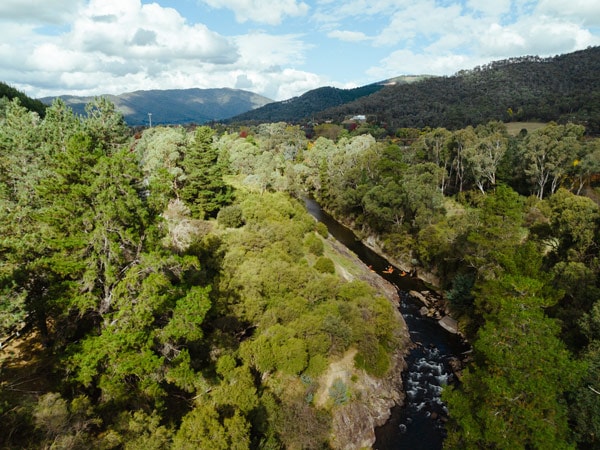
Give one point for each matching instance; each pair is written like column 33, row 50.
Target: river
column 419, row 423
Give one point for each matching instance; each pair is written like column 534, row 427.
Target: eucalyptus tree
column 585, row 166
column 549, row 152
column 350, row 172
column 575, row 223
column 282, row 138
column 424, row 200
column 484, row 155
column 433, row 146
column 241, row 152
column 316, row 159
column 461, row 140
column 161, row 151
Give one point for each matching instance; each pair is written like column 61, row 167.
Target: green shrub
column 375, row 363
column 316, row 365
column 314, row 244
column 339, row 392
column 321, row 228
column 325, row 265
column 231, row 216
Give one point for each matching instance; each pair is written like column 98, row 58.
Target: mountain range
column 174, row 106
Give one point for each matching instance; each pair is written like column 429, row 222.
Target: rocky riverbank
column 373, row 398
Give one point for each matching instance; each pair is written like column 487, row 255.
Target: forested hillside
column 562, row 88
column 8, row 93
column 305, row 106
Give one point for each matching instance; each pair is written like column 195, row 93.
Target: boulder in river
column 419, row 296
column 449, row 324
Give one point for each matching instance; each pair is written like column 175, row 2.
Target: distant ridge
column 174, row 106
column 306, row 105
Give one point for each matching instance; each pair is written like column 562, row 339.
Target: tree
column 203, row 188
column 549, row 152
column 155, row 311
column 492, row 242
column 204, row 428
column 161, row 151
column 585, row 404
column 513, row 394
column 96, row 221
column 461, row 140
column 105, row 125
column 65, row 424
column 23, row 164
column 424, row 199
column 586, row 165
column 434, row 147
column 574, row 222
column 58, row 126
column 483, row 157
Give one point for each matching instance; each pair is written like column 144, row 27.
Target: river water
column 419, row 423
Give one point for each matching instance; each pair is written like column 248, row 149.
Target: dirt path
column 341, row 369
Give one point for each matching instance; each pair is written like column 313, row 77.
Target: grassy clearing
column 514, row 128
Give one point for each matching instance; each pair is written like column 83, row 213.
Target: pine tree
column 513, row 395
column 204, row 189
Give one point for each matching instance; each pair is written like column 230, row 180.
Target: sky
column 276, row 48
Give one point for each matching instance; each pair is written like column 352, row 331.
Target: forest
column 183, row 298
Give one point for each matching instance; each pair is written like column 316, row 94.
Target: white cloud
column 276, row 84
column 265, row 50
column 348, row 36
column 584, row 12
column 495, row 8
column 405, row 62
column 114, row 46
column 267, row 64
column 434, row 39
column 536, row 35
column 269, row 12
column 422, row 19
column 498, row 40
column 39, row 11
column 111, row 27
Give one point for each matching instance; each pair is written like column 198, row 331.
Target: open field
column 515, row 127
